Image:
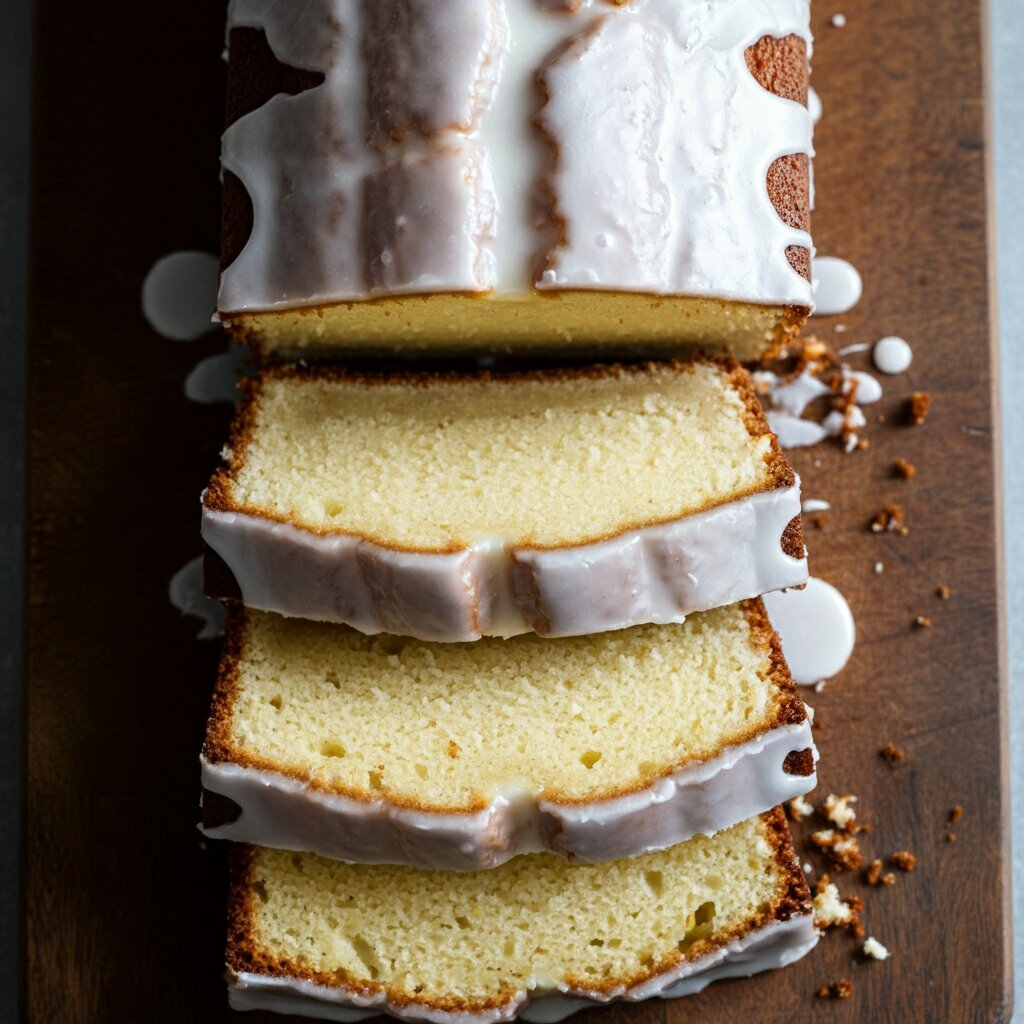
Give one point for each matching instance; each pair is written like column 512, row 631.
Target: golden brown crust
column 788, row 709
column 792, row 898
column 219, row 497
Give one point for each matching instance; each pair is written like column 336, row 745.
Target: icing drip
column 816, row 628
column 179, row 295
column 892, row 355
column 837, row 286
column 185, row 592
column 653, row 88
column 787, row 401
column 215, row 379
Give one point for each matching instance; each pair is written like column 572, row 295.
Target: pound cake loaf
column 607, row 176
column 448, row 507
column 462, row 756
column 536, row 938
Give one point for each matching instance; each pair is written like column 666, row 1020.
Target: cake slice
column 586, row 178
column 462, row 756
column 453, row 506
column 536, row 938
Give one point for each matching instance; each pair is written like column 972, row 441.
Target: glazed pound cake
column 607, row 176
column 462, row 756
column 536, row 938
column 454, row 506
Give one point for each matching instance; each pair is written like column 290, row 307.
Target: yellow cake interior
column 569, row 322
column 530, row 924
column 534, row 460
column 447, row 726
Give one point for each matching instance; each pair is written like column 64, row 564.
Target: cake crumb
column 890, row 520
column 874, row 949
column 844, row 850
column 923, row 622
column 873, row 874
column 920, row 401
column 955, row 814
column 839, row 810
column 904, row 469
column 863, row 444
column 819, row 522
column 799, row 808
column 830, row 909
column 950, row 837
column 841, row 989
column 891, row 753
column 943, row 593
column 904, row 860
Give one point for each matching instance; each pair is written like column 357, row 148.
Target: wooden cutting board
column 123, row 904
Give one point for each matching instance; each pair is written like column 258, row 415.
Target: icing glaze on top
column 659, row 143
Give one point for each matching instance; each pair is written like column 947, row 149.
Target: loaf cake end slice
column 536, row 938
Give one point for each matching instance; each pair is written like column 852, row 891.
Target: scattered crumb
column 904, row 860
column 838, row 20
column 893, row 754
column 839, row 810
column 819, row 522
column 841, row 989
column 890, row 520
column 830, row 909
column 799, row 808
column 955, row 815
column 904, row 469
column 950, row 837
column 879, row 568
column 923, row 622
column 844, row 850
column 863, row 444
column 874, row 949
column 943, row 593
column 873, row 874
column 920, row 401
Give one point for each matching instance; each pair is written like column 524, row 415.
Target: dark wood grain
column 123, row 905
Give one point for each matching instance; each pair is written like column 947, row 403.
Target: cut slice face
column 461, row 756
column 537, row 938
column 453, row 506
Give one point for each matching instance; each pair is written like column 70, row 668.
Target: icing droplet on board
column 179, row 295
column 185, row 592
column 816, row 628
column 892, row 355
column 837, row 286
column 215, row 379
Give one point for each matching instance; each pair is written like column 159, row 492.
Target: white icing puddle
column 186, row 594
column 215, row 379
column 837, row 286
column 179, row 295
column 814, row 505
column 787, row 400
column 816, row 628
column 892, row 355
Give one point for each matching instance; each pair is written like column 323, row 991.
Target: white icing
column 816, row 628
column 892, row 355
column 284, row 812
column 837, row 286
column 794, row 432
column 713, row 133
column 850, row 350
column 179, row 295
column 657, row 574
column 773, row 946
column 185, row 592
column 215, row 379
column 814, row 105
column 869, row 390
column 838, row 20
column 814, row 505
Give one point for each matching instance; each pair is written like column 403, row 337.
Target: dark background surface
column 163, row 102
